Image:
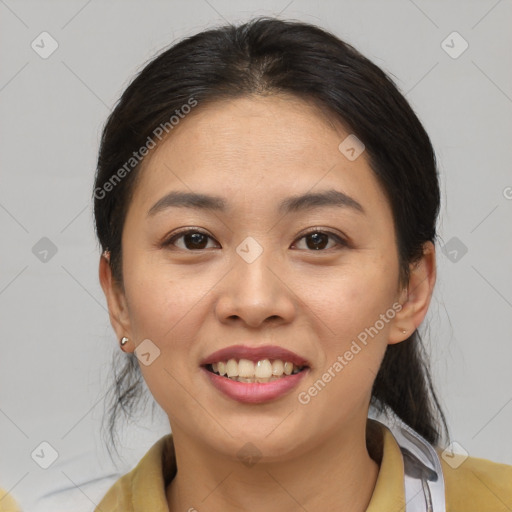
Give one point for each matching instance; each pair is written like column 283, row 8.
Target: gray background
column 56, row 338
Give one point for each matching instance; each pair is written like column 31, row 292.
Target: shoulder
column 119, row 496
column 7, row 502
column 143, row 487
column 477, row 484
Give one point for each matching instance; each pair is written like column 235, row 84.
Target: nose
column 256, row 293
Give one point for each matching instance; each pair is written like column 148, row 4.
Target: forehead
column 256, row 149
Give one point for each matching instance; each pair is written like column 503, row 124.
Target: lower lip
column 255, row 392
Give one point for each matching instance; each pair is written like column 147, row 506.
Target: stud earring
column 124, row 340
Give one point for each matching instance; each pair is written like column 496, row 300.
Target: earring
column 124, row 340
column 404, row 331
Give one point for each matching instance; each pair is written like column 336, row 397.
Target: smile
column 245, row 370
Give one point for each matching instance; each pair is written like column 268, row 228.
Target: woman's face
column 254, row 277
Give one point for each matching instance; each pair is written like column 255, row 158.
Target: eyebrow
column 302, row 202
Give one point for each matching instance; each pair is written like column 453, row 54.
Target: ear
column 415, row 299
column 116, row 300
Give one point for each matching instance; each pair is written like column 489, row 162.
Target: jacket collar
column 150, row 478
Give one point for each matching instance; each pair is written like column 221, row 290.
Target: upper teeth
column 263, row 369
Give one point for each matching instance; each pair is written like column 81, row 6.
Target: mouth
column 262, row 371
column 254, row 375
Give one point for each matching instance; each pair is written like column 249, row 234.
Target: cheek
column 161, row 296
column 354, row 314
column 166, row 307
column 353, row 299
column 353, row 337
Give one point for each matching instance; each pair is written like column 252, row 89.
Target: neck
column 337, row 474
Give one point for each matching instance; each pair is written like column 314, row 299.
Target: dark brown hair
column 269, row 56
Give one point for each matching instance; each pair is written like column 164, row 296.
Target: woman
column 266, row 201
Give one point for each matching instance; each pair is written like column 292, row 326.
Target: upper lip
column 255, row 354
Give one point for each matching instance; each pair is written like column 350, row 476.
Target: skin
column 254, row 152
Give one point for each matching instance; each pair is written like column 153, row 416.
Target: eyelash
column 170, row 241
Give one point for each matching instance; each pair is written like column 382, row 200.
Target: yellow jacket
column 7, row 503
column 477, row 485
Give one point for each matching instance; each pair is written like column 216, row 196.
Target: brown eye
column 192, row 240
column 195, row 240
column 319, row 240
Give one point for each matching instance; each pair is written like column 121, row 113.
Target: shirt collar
column 389, row 491
column 157, row 468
